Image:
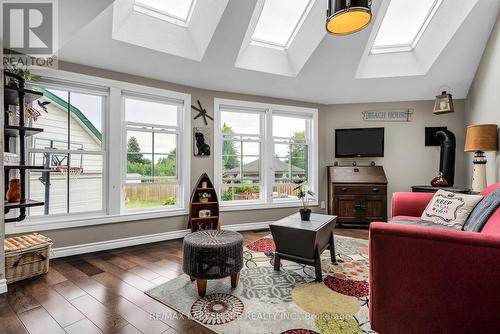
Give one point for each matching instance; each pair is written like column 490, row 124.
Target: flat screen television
column 362, row 142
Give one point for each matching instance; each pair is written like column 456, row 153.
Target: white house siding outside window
column 71, row 148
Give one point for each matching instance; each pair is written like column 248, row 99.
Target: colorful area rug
column 289, row 301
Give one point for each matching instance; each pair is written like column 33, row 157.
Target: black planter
column 305, row 214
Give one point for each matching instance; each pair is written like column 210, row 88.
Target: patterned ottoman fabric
column 210, row 254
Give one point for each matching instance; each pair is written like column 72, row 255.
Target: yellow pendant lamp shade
column 348, row 16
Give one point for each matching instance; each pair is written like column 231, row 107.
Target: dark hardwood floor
column 103, row 292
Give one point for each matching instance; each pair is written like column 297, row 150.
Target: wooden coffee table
column 304, row 241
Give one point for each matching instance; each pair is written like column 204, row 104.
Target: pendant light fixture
column 345, row 17
column 443, row 104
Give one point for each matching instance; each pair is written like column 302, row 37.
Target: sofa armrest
column 410, row 204
column 426, row 280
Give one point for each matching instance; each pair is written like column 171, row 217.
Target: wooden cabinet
column 357, row 195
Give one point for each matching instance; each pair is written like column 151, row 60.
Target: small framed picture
column 202, row 142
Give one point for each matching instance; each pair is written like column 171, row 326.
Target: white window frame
column 380, row 49
column 77, row 88
column 167, row 129
column 266, row 200
column 278, row 46
column 113, row 185
column 164, row 16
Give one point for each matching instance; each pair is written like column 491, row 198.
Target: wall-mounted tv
column 362, row 142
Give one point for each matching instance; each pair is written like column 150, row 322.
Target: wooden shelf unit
column 204, row 218
column 195, row 222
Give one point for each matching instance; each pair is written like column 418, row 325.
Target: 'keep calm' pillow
column 450, row 209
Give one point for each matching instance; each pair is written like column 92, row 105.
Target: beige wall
column 407, row 161
column 483, row 100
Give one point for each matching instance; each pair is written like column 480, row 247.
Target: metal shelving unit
column 19, row 96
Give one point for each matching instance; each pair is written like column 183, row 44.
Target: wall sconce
column 443, row 104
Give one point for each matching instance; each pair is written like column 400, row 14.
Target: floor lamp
column 479, row 139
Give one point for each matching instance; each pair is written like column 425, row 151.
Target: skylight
column 404, row 23
column 279, row 21
column 175, row 11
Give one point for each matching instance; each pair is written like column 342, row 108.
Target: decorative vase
column 305, row 214
column 14, row 192
column 439, row 181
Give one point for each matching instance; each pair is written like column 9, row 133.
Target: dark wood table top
column 316, row 223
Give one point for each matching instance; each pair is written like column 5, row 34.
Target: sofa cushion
column 483, row 211
column 450, row 209
column 418, row 222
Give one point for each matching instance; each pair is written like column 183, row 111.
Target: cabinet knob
column 375, row 190
column 343, row 189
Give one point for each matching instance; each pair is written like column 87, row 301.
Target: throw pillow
column 450, row 209
column 483, row 211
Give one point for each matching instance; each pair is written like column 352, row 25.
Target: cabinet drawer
column 360, row 190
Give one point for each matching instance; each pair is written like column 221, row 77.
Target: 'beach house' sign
column 404, row 115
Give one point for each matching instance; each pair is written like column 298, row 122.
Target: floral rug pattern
column 289, row 301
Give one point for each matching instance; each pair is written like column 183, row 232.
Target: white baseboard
column 3, row 286
column 246, row 226
column 143, row 239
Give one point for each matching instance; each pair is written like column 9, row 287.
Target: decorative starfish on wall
column 202, row 113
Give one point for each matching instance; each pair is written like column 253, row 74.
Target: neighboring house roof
column 278, row 165
column 74, row 110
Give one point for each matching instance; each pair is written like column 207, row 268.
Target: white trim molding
column 3, row 286
column 142, row 239
column 115, row 155
column 117, row 243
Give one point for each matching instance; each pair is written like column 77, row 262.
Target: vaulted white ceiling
column 217, row 47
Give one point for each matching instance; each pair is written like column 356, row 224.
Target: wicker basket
column 26, row 256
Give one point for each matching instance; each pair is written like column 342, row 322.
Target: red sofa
column 428, row 280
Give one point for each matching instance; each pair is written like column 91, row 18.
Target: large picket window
column 262, row 151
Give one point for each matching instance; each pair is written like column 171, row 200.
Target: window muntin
column 279, row 22
column 174, row 11
column 404, row 23
column 261, row 167
column 152, row 169
column 73, row 137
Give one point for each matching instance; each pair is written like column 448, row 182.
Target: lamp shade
column 481, row 138
column 347, row 16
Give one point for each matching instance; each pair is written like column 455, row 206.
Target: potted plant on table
column 305, row 196
column 204, row 196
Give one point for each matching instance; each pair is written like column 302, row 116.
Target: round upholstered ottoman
column 212, row 254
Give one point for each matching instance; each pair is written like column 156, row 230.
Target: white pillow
column 450, row 209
